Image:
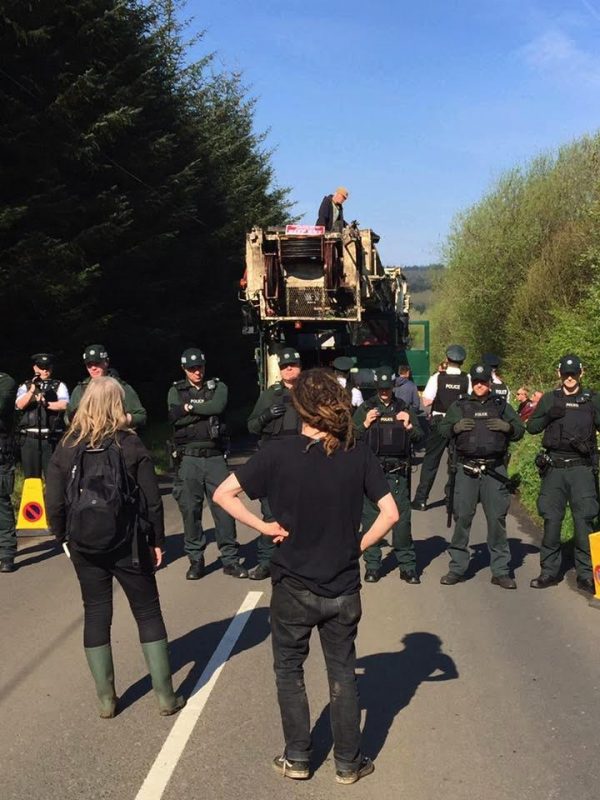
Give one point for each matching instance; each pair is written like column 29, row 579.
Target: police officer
column 389, row 426
column 342, row 366
column 273, row 417
column 95, row 358
column 499, row 388
column 481, row 427
column 8, row 535
column 569, row 417
column 42, row 401
column 196, row 407
column 442, row 389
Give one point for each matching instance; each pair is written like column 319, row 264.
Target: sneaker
column 236, row 570
column 298, row 770
column 366, row 767
column 260, row 572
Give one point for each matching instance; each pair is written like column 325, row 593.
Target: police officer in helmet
column 389, row 426
column 195, row 407
column 274, row 417
column 42, row 401
column 499, row 388
column 481, row 428
column 569, row 418
column 442, row 389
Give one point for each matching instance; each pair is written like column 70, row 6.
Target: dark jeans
column 96, row 573
column 8, row 534
column 294, row 613
column 434, row 450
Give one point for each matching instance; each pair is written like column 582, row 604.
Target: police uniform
column 273, row 417
column 569, row 423
column 8, row 535
column 481, row 429
column 443, row 388
column 343, row 365
column 391, row 442
column 196, row 415
column 499, row 388
column 96, row 353
column 40, row 427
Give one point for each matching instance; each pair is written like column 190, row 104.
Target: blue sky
column 416, row 107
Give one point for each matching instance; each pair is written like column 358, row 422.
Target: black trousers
column 96, row 573
column 294, row 613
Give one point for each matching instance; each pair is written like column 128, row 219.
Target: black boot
column 196, row 570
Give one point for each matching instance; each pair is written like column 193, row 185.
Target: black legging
column 95, row 574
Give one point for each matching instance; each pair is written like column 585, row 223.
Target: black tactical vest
column 289, row 424
column 449, row 389
column 204, row 430
column 575, row 432
column 387, row 437
column 53, row 421
column 500, row 390
column 482, row 442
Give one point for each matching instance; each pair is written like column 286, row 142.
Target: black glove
column 464, row 424
column 498, row 425
column 271, row 413
column 556, row 412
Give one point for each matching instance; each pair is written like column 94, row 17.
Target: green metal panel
column 418, row 353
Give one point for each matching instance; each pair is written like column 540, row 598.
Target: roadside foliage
column 523, row 276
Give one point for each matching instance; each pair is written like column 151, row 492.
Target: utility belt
column 198, row 452
column 35, row 433
column 568, row 463
column 486, row 463
column 393, row 466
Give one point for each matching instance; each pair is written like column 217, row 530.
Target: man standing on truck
column 274, row 417
column 331, row 212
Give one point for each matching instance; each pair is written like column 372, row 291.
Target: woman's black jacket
column 139, row 466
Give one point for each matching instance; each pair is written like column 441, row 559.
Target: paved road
column 468, row 691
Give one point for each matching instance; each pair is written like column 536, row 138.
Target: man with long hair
column 315, row 483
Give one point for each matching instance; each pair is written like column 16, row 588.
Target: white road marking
column 166, row 761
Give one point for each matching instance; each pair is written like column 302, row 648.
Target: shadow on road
column 195, row 648
column 174, row 551
column 426, row 551
column 388, row 683
column 480, row 558
column 37, row 552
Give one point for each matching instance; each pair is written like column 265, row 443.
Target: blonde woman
column 315, row 483
column 100, row 452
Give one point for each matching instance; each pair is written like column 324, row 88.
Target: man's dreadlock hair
column 322, row 403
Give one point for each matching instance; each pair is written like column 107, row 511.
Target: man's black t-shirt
column 319, row 500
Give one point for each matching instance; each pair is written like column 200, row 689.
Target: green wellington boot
column 157, row 661
column 100, row 663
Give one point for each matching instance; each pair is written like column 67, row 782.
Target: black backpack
column 102, row 500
